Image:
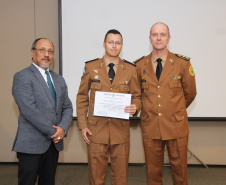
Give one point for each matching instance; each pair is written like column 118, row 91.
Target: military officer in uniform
column 107, row 136
column 168, row 88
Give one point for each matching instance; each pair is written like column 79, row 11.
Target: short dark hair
column 112, row 31
column 35, row 42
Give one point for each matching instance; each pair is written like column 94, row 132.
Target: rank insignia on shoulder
column 128, row 62
column 137, row 60
column 91, row 60
column 183, row 57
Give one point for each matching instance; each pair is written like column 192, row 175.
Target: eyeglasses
column 43, row 51
column 111, row 42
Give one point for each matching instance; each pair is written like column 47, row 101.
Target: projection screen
column 198, row 30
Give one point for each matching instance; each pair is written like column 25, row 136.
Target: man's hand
column 59, row 134
column 84, row 135
column 132, row 109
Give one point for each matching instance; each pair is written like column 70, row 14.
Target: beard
column 44, row 66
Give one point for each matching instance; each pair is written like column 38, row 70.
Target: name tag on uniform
column 143, row 80
column 96, row 81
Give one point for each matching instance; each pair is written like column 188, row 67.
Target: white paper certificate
column 111, row 104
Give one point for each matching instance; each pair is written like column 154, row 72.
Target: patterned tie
column 51, row 87
column 111, row 72
column 159, row 68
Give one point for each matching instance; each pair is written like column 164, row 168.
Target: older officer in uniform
column 168, row 88
column 105, row 135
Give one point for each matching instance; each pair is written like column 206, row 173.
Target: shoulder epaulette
column 128, row 62
column 91, row 60
column 137, row 60
column 183, row 57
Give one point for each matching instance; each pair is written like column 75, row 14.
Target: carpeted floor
column 77, row 174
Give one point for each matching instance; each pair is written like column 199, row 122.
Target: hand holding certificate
column 111, row 104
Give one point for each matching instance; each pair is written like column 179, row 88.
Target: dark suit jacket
column 38, row 113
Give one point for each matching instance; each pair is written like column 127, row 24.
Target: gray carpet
column 78, row 175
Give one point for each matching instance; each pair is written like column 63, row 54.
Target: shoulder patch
column 137, row 60
column 91, row 60
column 183, row 57
column 128, row 62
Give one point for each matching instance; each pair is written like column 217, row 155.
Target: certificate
column 111, row 104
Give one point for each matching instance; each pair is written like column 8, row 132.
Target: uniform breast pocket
column 124, row 88
column 95, row 86
column 175, row 87
column 144, row 86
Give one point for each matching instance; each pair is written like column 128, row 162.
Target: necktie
column 51, row 87
column 159, row 68
column 111, row 72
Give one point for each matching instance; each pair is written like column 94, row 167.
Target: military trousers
column 154, row 157
column 98, row 155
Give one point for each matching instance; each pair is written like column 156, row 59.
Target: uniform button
column 158, row 96
column 111, row 89
column 159, row 105
column 95, row 87
column 183, row 117
column 144, row 91
column 109, row 119
column 158, row 86
column 90, row 121
column 160, row 114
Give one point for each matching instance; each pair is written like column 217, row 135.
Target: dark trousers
column 42, row 165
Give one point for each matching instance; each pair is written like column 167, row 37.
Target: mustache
column 46, row 58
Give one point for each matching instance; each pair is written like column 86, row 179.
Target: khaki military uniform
column 109, row 135
column 164, row 119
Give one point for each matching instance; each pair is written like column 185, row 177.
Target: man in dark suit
column 44, row 119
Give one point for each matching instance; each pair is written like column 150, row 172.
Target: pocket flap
column 174, row 83
column 96, row 85
column 124, row 87
column 92, row 120
column 143, row 118
column 179, row 118
column 125, row 122
column 144, row 85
